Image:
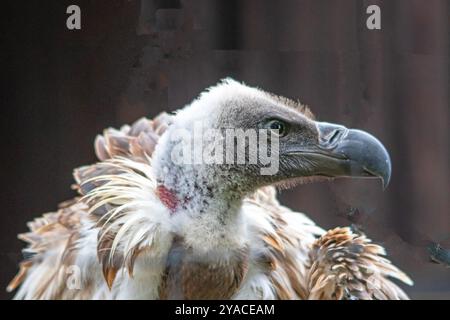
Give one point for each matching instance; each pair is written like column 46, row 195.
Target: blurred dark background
column 134, row 58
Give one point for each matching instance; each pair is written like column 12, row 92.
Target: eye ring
column 279, row 127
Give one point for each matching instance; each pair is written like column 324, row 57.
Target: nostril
column 330, row 135
column 334, row 136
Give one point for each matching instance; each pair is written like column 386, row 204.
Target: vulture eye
column 278, row 127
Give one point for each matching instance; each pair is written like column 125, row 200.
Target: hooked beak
column 343, row 152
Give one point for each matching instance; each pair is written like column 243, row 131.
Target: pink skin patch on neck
column 168, row 198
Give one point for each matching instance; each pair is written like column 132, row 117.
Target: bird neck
column 206, row 214
column 204, row 201
column 189, row 190
column 195, row 188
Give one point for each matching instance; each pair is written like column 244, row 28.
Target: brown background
column 60, row 88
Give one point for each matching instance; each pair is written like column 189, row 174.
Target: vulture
column 150, row 224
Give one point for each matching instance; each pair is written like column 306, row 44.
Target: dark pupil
column 277, row 126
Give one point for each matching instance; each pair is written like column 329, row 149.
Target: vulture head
column 235, row 139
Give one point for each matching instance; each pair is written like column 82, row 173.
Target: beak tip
column 383, row 175
column 383, row 172
column 386, row 176
column 385, row 183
